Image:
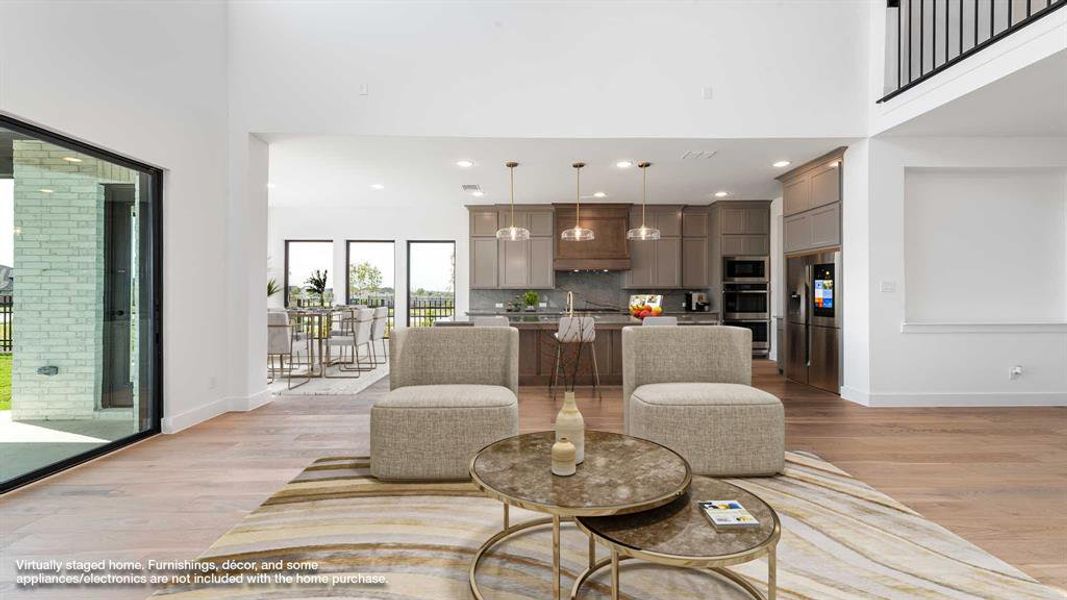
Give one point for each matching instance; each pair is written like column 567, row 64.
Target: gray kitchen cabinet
column 816, row 228
column 826, row 226
column 695, row 222
column 642, row 265
column 484, row 263
column 741, row 220
column 695, row 256
column 499, row 264
column 746, row 245
column 656, row 263
column 484, row 221
column 796, row 195
column 826, row 184
column 542, row 275
column 668, row 265
column 514, row 264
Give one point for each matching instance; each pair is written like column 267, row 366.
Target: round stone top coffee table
column 678, row 534
column 620, row 475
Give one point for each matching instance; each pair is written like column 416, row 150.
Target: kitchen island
column 537, row 344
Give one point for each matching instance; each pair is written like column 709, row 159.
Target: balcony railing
column 424, row 310
column 925, row 37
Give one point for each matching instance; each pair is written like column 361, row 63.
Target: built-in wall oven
column 745, row 301
column 748, row 305
column 761, row 341
column 745, row 269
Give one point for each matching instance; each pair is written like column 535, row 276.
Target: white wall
column 378, row 223
column 985, row 245
column 147, row 80
column 552, row 69
column 856, row 254
column 943, row 365
column 777, row 300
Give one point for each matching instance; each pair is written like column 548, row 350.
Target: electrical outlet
column 887, row 287
column 212, row 382
column 1015, row 372
column 706, row 92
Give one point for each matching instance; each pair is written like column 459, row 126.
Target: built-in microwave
column 745, row 269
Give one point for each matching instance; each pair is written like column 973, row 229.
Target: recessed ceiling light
column 377, row 186
column 624, row 164
column 721, row 194
column 600, row 194
column 464, row 164
column 782, row 163
column 46, row 191
column 271, row 186
column 72, row 159
column 477, row 193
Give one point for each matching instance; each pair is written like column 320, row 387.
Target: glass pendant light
column 512, row 233
column 643, row 232
column 578, row 233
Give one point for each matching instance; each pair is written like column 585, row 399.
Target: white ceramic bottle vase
column 571, row 425
column 563, row 458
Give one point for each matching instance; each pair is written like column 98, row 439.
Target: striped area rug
column 841, row 540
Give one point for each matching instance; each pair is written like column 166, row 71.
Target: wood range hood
column 609, row 250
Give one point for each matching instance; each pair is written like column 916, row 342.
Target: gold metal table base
column 509, row 531
column 736, row 578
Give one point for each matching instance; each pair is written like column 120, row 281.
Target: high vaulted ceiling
column 319, row 171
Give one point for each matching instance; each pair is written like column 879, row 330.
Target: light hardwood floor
column 170, row 497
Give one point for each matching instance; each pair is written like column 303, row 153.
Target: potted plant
column 316, row 285
column 530, row 299
column 273, row 287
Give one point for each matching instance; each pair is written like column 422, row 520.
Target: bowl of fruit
column 646, row 305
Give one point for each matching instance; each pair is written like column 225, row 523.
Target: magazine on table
column 728, row 515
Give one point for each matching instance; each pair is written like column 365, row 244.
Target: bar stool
column 379, row 323
column 283, row 341
column 575, row 330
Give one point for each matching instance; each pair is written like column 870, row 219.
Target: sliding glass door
column 80, row 291
column 370, row 276
column 431, row 282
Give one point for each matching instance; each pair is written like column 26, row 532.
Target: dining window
column 431, row 282
column 308, row 273
column 371, row 277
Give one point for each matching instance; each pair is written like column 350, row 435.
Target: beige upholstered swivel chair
column 690, row 389
column 453, row 391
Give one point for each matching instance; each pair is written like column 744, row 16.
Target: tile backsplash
column 592, row 289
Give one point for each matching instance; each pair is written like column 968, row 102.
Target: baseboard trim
column 853, row 395
column 974, row 399
column 189, row 418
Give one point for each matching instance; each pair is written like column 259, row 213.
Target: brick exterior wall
column 59, row 280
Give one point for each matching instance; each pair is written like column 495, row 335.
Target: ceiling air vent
column 698, row 154
column 471, row 187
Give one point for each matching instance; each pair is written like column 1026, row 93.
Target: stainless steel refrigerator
column 813, row 320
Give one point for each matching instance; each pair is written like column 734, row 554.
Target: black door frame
column 156, row 384
column 348, row 264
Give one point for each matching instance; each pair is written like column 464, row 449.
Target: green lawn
column 5, row 382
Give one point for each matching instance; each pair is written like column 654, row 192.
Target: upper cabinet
column 656, row 263
column 499, row 264
column 742, row 220
column 811, row 199
column 696, row 273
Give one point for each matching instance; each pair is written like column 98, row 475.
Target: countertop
column 604, row 320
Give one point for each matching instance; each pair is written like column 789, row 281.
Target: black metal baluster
column 961, row 28
column 910, row 43
column 975, row 40
column 900, row 28
column 992, row 17
column 948, row 9
column 933, row 34
column 1027, row 9
column 922, row 37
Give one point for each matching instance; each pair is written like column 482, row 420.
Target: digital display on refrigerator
column 824, row 290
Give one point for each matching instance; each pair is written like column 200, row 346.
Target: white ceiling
column 1029, row 102
column 320, row 171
